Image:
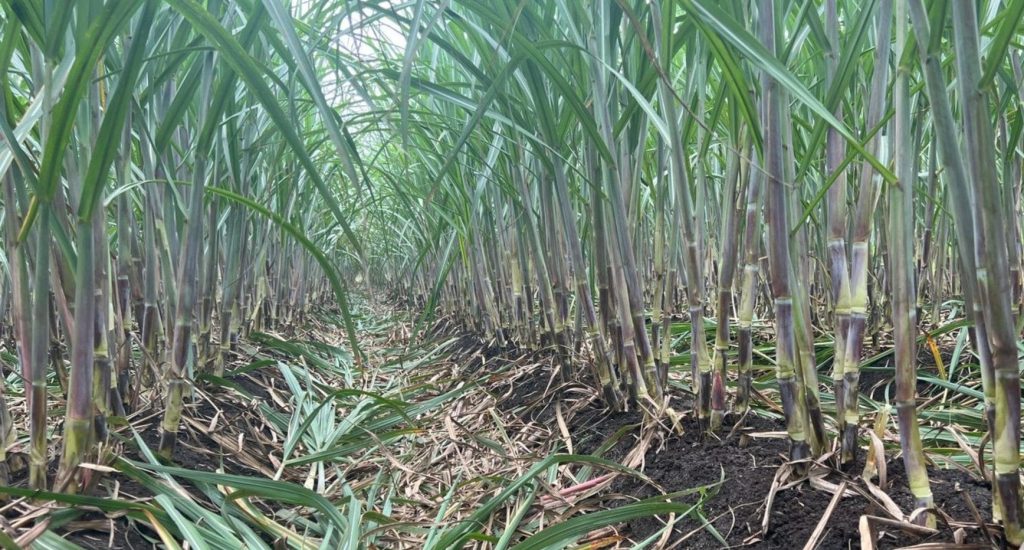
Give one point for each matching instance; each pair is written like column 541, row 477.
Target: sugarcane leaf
column 460, row 531
column 995, row 55
column 335, row 127
column 98, row 37
column 243, row 64
column 276, row 490
column 332, row 274
column 29, row 15
column 114, row 116
column 739, row 37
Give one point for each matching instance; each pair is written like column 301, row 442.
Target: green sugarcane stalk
column 835, row 151
column 78, row 426
column 793, row 403
column 484, row 279
column 606, row 377
column 208, row 290
column 629, row 355
column 866, row 201
column 514, row 257
column 40, row 333
column 20, row 302
column 186, row 284
column 728, row 259
column 671, row 280
column 1015, row 204
column 38, row 324
column 232, row 279
column 622, row 253
column 104, row 384
column 800, row 270
column 666, row 285
column 556, row 254
column 24, row 322
column 497, row 255
column 993, row 271
column 123, row 286
column 660, row 300
column 960, row 200
column 532, row 332
column 620, row 324
column 806, row 368
column 482, row 288
column 230, row 285
column 152, row 326
column 547, row 298
column 692, row 253
column 8, row 435
column 925, row 262
column 608, row 294
column 748, row 289
column 904, row 301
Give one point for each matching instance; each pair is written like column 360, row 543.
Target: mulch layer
column 739, row 470
column 736, row 468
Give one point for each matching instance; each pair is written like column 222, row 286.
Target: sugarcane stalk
column 606, row 377
column 232, row 279
column 177, row 373
column 793, row 403
column 806, row 370
column 78, row 425
column 208, row 288
column 904, row 300
column 20, row 310
column 925, row 262
column 18, row 302
column 748, row 289
column 8, row 434
column 547, row 298
column 531, row 333
column 103, row 381
column 614, row 186
column 693, row 253
column 40, row 332
column 152, row 326
column 515, row 255
column 835, row 151
column 627, row 337
column 123, row 290
column 661, row 298
column 727, row 268
column 993, row 271
column 800, row 274
column 556, row 260
column 1015, row 204
column 608, row 296
column 669, row 307
column 860, row 253
column 960, row 199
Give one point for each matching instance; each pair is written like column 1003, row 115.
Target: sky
column 359, row 40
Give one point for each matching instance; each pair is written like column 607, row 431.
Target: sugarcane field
column 511, row 274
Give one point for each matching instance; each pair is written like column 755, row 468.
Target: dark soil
column 531, row 392
column 875, row 378
column 184, row 454
column 738, row 473
column 254, row 388
column 594, row 426
column 525, row 394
